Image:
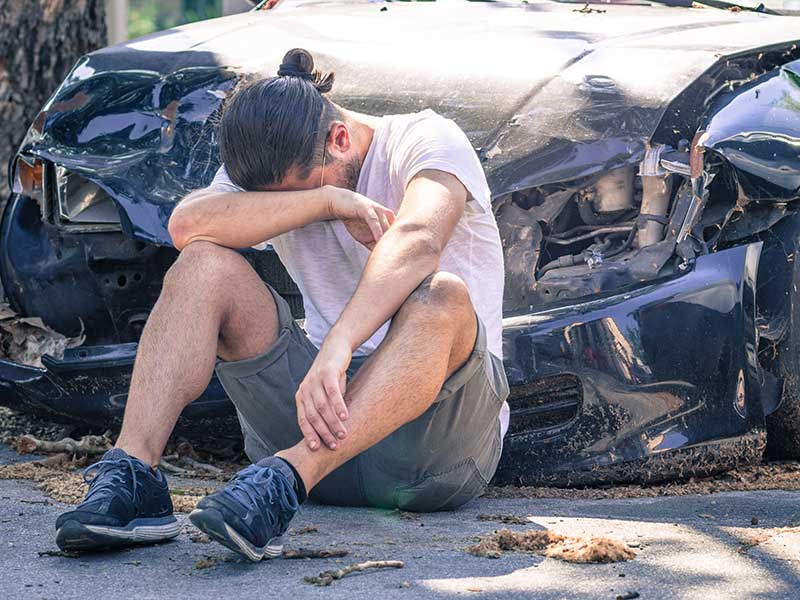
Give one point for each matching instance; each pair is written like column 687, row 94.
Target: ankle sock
column 299, row 486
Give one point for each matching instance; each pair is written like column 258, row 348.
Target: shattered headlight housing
column 28, row 177
column 82, row 204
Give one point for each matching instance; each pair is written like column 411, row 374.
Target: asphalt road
column 688, row 547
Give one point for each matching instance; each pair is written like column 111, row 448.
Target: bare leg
column 431, row 336
column 212, row 304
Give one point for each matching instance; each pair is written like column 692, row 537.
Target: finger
column 384, row 223
column 326, row 410
column 318, row 402
column 374, row 224
column 309, row 435
column 391, row 216
column 336, row 399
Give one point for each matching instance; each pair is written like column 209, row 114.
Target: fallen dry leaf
column 25, row 340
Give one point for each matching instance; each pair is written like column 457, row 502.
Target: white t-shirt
column 326, row 263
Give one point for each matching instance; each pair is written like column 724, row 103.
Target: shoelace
column 258, row 487
column 111, row 483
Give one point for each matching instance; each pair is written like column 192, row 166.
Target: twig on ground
column 167, row 466
column 304, row 530
column 60, row 553
column 315, row 553
column 188, row 460
column 588, row 10
column 327, row 577
column 87, row 445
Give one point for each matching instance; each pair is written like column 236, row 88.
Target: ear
column 339, row 141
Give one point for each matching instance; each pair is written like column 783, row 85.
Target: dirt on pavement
column 577, row 549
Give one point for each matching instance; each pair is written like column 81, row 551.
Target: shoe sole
column 77, row 536
column 211, row 522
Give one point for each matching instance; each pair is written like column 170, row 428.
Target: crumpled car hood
column 545, row 93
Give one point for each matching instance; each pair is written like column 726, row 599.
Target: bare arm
column 244, row 219
column 407, row 253
column 432, row 205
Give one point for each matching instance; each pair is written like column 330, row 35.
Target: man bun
column 299, row 63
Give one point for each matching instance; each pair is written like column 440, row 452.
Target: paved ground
column 689, row 547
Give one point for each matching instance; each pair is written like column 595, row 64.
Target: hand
column 366, row 221
column 321, row 409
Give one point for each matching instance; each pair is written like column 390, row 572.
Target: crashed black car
column 645, row 167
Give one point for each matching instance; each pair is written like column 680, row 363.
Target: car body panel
column 757, row 130
column 646, row 388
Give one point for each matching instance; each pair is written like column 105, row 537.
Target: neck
column 362, row 127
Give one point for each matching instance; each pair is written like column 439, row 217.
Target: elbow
column 180, row 227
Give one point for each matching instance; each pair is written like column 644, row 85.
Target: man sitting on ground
column 392, row 394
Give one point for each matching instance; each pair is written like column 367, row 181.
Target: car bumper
column 665, row 367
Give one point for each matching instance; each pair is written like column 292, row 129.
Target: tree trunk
column 40, row 40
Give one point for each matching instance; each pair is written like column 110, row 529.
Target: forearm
column 396, row 267
column 244, row 219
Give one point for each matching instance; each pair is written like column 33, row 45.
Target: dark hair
column 275, row 124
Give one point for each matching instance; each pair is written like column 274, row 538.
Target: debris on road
column 628, row 596
column 327, row 577
column 184, row 500
column 315, row 553
column 59, row 553
column 198, row 537
column 577, row 549
column 587, row 10
column 26, row 339
column 58, row 483
column 304, row 530
column 507, row 519
column 86, row 446
column 65, row 485
column 764, row 476
column 207, row 562
column 766, row 535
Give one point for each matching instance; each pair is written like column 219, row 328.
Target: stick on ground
column 87, row 445
column 327, row 577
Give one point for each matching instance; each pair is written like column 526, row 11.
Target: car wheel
column 783, row 425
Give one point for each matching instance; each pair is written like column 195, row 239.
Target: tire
column 783, row 425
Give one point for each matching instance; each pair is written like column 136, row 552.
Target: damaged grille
column 544, row 403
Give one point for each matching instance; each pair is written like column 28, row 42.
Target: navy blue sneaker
column 251, row 513
column 127, row 503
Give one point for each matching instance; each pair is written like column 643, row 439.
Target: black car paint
column 665, row 366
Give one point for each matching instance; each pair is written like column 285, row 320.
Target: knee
column 441, row 294
column 204, row 264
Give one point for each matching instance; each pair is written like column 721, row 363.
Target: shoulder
column 428, row 124
column 222, row 182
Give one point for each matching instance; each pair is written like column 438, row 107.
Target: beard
column 349, row 172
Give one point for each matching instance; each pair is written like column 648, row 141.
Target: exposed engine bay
column 650, row 218
column 626, row 226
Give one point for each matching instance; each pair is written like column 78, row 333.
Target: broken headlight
column 82, row 204
column 28, row 177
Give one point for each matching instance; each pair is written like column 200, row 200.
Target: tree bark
column 40, row 40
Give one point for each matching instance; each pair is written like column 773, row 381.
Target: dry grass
column 577, row 549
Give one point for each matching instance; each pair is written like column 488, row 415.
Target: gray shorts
column 438, row 461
